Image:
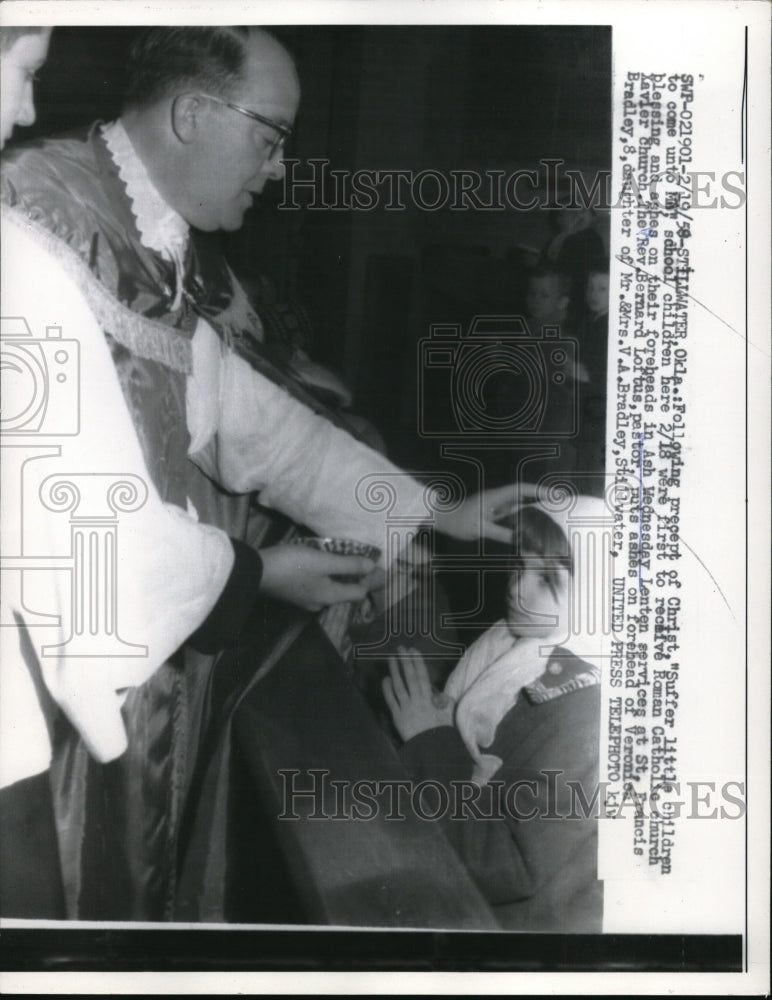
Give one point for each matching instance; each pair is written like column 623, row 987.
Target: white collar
column 160, row 227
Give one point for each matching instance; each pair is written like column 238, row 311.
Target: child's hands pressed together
column 414, row 706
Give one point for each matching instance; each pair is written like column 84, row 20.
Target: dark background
column 392, row 97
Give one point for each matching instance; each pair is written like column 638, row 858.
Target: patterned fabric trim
column 238, row 315
column 160, row 227
column 538, row 693
column 144, row 337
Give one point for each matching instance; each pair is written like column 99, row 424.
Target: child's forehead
column 546, row 280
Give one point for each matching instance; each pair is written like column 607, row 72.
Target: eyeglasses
column 284, row 132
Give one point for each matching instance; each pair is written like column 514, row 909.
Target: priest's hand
column 477, row 516
column 303, row 576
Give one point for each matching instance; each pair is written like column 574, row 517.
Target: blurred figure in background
column 22, row 53
column 574, row 244
column 593, row 351
column 548, row 298
column 548, row 304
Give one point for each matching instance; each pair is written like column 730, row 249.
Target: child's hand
column 414, row 706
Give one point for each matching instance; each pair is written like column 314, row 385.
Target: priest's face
column 235, row 155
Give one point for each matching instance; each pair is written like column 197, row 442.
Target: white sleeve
column 166, row 570
column 300, row 463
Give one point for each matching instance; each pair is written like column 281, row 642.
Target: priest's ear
column 188, row 111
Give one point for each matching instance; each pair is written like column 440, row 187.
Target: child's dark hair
column 598, row 265
column 547, row 270
column 534, row 533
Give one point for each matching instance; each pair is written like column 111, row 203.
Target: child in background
column 574, row 243
column 547, row 297
column 593, row 350
column 595, row 327
column 548, row 304
column 523, row 707
column 597, row 289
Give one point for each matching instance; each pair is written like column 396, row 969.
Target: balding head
column 167, row 61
